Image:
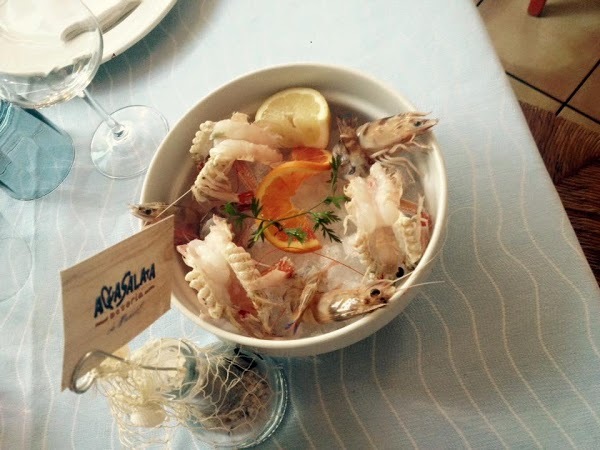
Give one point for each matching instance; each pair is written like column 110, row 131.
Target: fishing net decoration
column 225, row 396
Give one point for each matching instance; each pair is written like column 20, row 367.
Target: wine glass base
column 128, row 155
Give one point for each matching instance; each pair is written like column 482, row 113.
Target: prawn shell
column 340, row 305
column 343, row 309
column 393, row 130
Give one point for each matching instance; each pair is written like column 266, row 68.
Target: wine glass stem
column 117, row 129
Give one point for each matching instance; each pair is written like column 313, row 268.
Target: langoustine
column 394, row 132
column 188, row 219
column 218, row 145
column 221, row 268
column 380, row 140
column 385, row 240
column 339, row 305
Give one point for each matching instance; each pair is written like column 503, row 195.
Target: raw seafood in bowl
column 300, row 237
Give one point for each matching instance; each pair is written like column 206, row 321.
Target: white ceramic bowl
column 171, row 173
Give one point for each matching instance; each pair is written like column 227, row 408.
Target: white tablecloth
column 504, row 353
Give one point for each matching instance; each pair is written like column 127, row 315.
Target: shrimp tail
column 308, row 295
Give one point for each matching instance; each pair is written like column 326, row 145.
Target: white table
column 504, row 353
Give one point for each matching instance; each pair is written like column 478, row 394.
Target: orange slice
column 315, row 155
column 275, row 194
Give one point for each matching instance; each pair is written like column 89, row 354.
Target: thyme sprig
column 322, row 220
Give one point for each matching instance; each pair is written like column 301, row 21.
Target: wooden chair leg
column 535, row 7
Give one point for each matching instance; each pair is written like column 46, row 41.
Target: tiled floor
column 553, row 61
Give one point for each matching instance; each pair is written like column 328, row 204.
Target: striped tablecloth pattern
column 504, row 353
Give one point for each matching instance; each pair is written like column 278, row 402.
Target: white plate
column 135, row 26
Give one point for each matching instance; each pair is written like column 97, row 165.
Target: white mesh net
column 221, row 394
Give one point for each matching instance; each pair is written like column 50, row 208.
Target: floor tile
column 574, row 116
column 529, row 95
column 587, row 98
column 553, row 52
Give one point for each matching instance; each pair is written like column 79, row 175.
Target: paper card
column 113, row 296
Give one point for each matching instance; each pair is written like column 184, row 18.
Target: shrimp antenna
column 174, row 202
column 426, row 283
column 337, row 262
column 407, row 274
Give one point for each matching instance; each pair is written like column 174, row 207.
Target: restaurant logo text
column 112, row 298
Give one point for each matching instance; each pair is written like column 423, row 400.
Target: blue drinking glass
column 35, row 156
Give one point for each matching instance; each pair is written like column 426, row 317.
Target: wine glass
column 50, row 51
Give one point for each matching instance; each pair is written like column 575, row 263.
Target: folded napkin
column 108, row 13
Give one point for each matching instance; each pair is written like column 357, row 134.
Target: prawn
column 149, row 212
column 201, row 144
column 307, row 296
column 239, row 128
column 381, row 140
column 213, row 182
column 392, row 133
column 412, row 234
column 342, row 304
column 236, row 149
column 275, row 275
column 210, row 274
column 220, row 253
column 373, row 208
column 187, row 219
column 244, row 268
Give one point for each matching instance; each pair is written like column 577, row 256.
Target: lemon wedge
column 300, row 115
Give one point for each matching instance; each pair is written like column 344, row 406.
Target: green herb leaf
column 336, row 200
column 336, row 162
column 321, row 220
column 235, row 214
column 324, row 217
column 255, row 206
column 259, row 233
column 327, row 232
column 231, row 209
column 295, row 233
